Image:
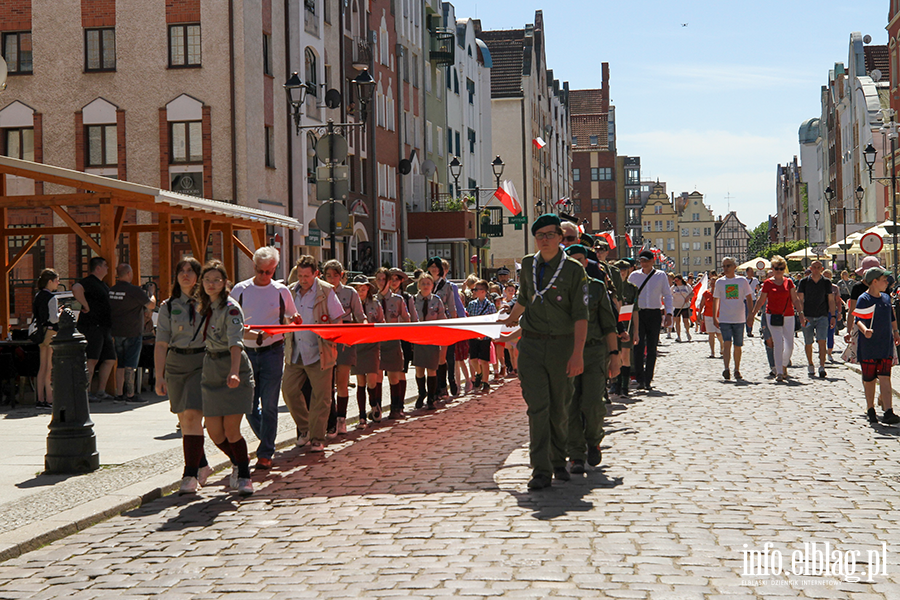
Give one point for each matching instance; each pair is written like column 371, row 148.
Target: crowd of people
column 586, row 328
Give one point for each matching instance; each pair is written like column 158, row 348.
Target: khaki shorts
column 48, row 337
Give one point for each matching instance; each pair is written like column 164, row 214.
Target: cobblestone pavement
column 694, row 475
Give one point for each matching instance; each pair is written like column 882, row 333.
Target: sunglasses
column 570, row 238
column 778, row 268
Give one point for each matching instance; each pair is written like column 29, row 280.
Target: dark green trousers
column 547, row 391
column 588, row 407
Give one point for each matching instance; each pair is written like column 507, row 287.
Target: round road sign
column 332, row 148
column 760, row 265
column 332, row 216
column 871, row 243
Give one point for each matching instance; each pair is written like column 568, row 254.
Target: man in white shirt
column 732, row 301
column 310, row 357
column 754, row 286
column 653, row 293
column 265, row 302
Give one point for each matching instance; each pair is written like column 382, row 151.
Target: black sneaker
column 577, row 467
column 135, row 400
column 119, row 399
column 889, row 418
column 454, row 389
column 485, row 387
column 539, row 482
column 726, row 374
column 477, row 382
column 871, row 416
column 594, row 455
column 562, row 474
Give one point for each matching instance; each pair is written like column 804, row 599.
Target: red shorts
column 880, row 367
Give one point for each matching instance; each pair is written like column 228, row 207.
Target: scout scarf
column 534, row 277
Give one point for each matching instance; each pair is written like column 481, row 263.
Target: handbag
column 36, row 333
column 776, row 320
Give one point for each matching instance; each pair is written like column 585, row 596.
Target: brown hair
column 196, row 266
column 202, row 296
column 307, row 262
column 47, row 275
column 423, row 277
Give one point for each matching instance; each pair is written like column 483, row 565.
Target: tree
column 759, row 240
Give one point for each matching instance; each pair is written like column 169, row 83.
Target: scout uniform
column 395, row 311
column 554, row 295
column 180, row 327
column 629, row 296
column 588, row 408
column 353, row 313
column 223, row 329
column 368, row 356
column 427, row 356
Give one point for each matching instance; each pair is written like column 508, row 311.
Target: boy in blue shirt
column 878, row 336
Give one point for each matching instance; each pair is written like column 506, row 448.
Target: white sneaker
column 244, row 487
column 189, row 485
column 233, row 478
column 678, row 339
column 302, row 439
column 203, row 474
column 811, row 370
column 341, row 425
column 689, row 335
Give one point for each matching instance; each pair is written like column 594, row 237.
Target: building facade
column 660, row 224
column 732, row 239
column 697, row 233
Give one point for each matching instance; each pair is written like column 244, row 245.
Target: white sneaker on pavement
column 244, row 486
column 233, row 478
column 811, row 370
column 189, row 485
column 203, row 474
column 302, row 439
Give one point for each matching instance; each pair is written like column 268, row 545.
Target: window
column 633, row 177
column 595, row 205
column 707, row 231
column 440, row 141
column 100, row 49
column 604, row 174
column 595, row 174
column 657, row 209
column 186, row 142
column 470, row 88
column 312, row 87
column 429, row 138
column 670, row 225
column 102, row 146
column 387, row 248
column 19, row 143
column 415, row 70
column 456, row 137
column 685, row 246
column 184, row 45
column 593, row 140
column 576, row 174
column 632, row 195
column 576, row 204
column 455, row 82
column 17, row 52
column 686, row 260
column 657, row 225
column 267, row 54
column 270, row 147
column 472, row 141
column 698, row 259
column 449, row 142
column 707, row 260
column 707, row 245
column 670, row 244
column 685, row 232
column 574, row 140
column 405, row 64
column 695, row 217
column 696, row 245
column 696, row 231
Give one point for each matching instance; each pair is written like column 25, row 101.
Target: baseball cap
column 874, row 273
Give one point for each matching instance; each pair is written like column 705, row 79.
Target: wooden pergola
column 199, row 217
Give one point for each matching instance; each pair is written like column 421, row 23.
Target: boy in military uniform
column 553, row 306
column 601, row 354
column 626, row 328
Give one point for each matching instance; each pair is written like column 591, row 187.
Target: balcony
column 456, row 225
column 492, row 221
column 443, row 47
column 362, row 54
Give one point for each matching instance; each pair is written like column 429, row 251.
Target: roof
column 586, row 102
column 99, row 183
column 584, row 126
column 878, row 57
column 507, row 49
column 485, row 53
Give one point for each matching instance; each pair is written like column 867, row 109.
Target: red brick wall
column 38, row 124
column 15, row 15
column 98, row 13
column 267, row 16
column 207, row 153
column 120, row 143
column 182, row 11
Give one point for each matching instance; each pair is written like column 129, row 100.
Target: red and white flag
column 625, row 313
column 628, row 241
column 699, row 289
column 864, row 313
column 609, row 237
column 507, row 196
column 539, row 142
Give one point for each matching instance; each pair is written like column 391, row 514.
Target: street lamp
column 870, row 154
column 456, row 171
column 539, row 208
column 456, row 168
column 296, row 93
column 365, row 87
column 497, row 166
column 844, row 245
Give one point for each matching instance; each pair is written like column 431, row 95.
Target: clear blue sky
column 714, row 106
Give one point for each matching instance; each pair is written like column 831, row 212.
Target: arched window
column 311, row 73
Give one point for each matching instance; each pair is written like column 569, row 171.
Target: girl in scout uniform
column 397, row 282
column 333, row 272
column 395, row 311
column 227, row 380
column 368, row 356
column 426, row 358
column 178, row 356
column 444, row 291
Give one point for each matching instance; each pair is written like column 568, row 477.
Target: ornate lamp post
column 870, row 154
column 456, row 167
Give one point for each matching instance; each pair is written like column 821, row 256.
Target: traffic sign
column 871, row 243
column 332, row 216
column 332, row 148
column 518, row 221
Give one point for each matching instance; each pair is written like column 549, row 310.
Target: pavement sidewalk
column 140, row 460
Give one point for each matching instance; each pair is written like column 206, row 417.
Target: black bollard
column 71, row 443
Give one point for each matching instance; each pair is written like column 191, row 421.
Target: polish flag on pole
column 507, row 196
column 625, row 313
column 628, row 241
column 699, row 289
column 609, row 237
column 539, row 142
column 864, row 313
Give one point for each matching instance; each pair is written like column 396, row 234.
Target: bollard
column 71, row 443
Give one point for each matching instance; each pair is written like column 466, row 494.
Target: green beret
column 622, row 264
column 544, row 220
column 577, row 249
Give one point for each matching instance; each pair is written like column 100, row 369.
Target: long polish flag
column 699, row 289
column 628, row 241
column 864, row 313
column 539, row 142
column 625, row 313
column 435, row 333
column 507, row 196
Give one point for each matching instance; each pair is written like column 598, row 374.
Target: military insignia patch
column 176, row 311
column 324, row 318
column 235, row 320
column 234, row 312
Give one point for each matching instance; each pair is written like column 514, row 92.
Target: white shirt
column 732, row 294
column 754, row 285
column 656, row 293
column 261, row 306
column 306, row 343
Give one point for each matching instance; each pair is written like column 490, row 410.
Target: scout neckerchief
column 425, row 303
column 535, row 277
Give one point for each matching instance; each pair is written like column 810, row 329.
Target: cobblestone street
column 694, row 474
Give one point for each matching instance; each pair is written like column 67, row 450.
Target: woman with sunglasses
column 682, row 296
column 779, row 294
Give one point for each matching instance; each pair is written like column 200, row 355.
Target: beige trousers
column 314, row 419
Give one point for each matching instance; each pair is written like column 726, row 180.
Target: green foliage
column 785, row 249
column 409, row 265
column 804, row 200
column 759, row 239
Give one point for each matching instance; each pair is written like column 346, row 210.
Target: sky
column 713, row 106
